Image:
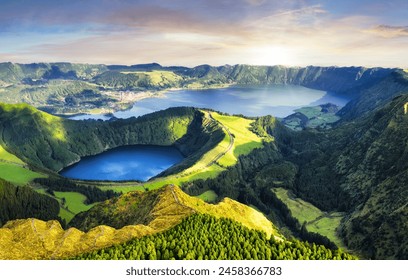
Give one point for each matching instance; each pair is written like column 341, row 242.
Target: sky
column 371, row 33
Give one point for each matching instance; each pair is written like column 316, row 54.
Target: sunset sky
column 216, row 32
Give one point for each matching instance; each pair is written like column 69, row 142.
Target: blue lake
column 144, row 162
column 276, row 100
column 138, row 162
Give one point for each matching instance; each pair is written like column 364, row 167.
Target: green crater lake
column 137, row 162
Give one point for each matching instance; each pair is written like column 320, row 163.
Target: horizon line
column 205, row 64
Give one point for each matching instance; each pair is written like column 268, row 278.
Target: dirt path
column 178, row 201
column 230, row 145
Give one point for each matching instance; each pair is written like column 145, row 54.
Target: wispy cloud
column 204, row 31
column 388, row 31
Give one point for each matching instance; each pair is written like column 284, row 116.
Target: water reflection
column 276, row 100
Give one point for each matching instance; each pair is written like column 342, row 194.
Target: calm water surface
column 138, row 162
column 276, row 100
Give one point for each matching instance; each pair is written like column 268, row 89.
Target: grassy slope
column 6, row 156
column 244, row 139
column 232, row 209
column 154, row 206
column 14, row 169
column 158, row 78
column 35, row 239
column 16, row 174
column 316, row 220
column 208, row 196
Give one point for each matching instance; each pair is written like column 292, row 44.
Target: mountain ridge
column 36, row 239
column 66, row 88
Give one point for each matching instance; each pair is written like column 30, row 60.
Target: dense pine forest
column 204, row 237
column 19, row 202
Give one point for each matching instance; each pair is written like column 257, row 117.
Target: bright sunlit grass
column 157, row 77
column 6, row 156
column 208, row 196
column 17, row 174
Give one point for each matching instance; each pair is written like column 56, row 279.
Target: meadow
column 315, row 220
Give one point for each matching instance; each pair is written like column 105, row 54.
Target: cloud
column 388, row 31
column 188, row 33
column 255, row 2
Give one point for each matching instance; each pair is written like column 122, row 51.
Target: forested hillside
column 204, row 237
column 52, row 142
column 17, row 202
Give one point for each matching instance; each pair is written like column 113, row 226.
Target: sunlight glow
column 271, row 55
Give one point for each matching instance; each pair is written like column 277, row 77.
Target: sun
column 271, row 55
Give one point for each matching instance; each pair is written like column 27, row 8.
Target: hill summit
column 144, row 212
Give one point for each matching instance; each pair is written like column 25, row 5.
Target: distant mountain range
column 71, row 88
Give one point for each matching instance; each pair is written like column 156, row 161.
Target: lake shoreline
column 251, row 101
column 129, row 98
column 124, row 161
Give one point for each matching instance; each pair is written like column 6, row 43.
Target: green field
column 74, row 203
column 65, row 215
column 208, row 196
column 156, row 77
column 17, row 174
column 316, row 220
column 14, row 170
column 6, row 156
column 244, row 139
column 316, row 118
